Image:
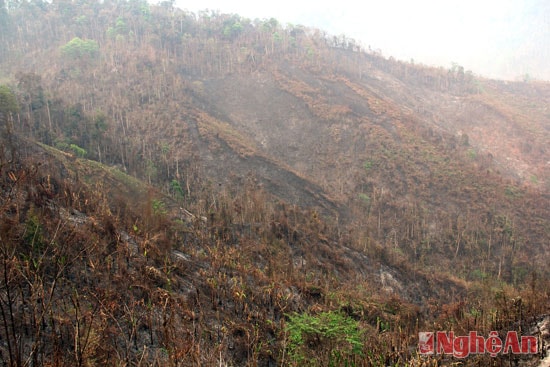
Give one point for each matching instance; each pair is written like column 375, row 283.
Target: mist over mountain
column 205, row 189
column 496, row 39
column 525, row 50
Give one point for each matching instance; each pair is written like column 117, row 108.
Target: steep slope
column 119, row 280
column 112, row 279
column 402, row 156
column 357, row 139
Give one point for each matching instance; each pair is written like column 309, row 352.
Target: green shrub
column 159, row 208
column 327, row 339
column 78, row 151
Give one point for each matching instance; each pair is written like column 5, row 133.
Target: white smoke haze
column 503, row 39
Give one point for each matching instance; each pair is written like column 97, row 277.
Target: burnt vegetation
column 184, row 189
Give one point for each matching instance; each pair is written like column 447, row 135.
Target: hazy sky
column 495, row 38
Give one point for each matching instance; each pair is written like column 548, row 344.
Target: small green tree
column 232, row 30
column 8, row 101
column 79, row 49
column 176, row 189
column 8, row 106
column 120, row 26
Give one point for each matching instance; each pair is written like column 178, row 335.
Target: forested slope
column 224, row 179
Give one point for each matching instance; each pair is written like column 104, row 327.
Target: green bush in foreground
column 327, row 339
